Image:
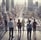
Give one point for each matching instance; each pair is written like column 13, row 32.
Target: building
column 7, row 5
column 12, row 3
column 0, row 8
column 35, row 7
column 30, row 5
column 36, row 3
column 3, row 6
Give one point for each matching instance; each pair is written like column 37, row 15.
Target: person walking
column 15, row 24
column 10, row 28
column 5, row 25
column 1, row 23
column 5, row 21
column 29, row 29
column 23, row 24
column 34, row 25
column 19, row 26
column 34, row 29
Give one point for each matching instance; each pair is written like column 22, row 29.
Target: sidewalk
column 23, row 36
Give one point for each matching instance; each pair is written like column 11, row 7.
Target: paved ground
column 23, row 36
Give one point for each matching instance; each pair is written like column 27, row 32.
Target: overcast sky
column 22, row 1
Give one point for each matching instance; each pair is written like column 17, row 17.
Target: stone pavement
column 23, row 35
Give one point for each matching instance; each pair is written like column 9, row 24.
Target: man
column 19, row 26
column 5, row 25
column 10, row 28
column 34, row 29
column 15, row 24
column 29, row 29
column 34, row 25
column 1, row 23
column 5, row 21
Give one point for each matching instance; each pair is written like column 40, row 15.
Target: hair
column 29, row 21
column 18, row 20
column 10, row 19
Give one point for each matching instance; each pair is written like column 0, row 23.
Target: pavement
column 23, row 35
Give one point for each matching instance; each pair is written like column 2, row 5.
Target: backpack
column 29, row 26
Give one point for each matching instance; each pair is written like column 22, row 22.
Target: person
column 10, row 28
column 34, row 25
column 19, row 26
column 15, row 24
column 1, row 23
column 23, row 24
column 34, row 29
column 5, row 21
column 5, row 25
column 29, row 29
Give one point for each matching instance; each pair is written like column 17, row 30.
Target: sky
column 22, row 1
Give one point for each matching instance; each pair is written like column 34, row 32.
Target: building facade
column 12, row 3
column 7, row 5
column 30, row 5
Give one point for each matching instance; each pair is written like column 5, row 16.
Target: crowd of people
column 19, row 25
